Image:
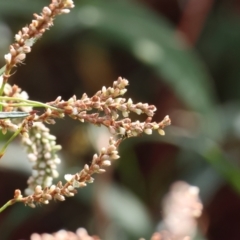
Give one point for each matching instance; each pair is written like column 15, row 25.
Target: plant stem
column 7, row 204
column 3, row 84
column 28, row 103
column 8, row 142
column 1, row 92
column 2, row 70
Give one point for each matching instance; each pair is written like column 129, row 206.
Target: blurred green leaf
column 153, row 41
column 149, row 37
column 16, row 114
column 21, row 7
column 209, row 150
column 2, row 70
column 128, row 167
column 17, row 216
column 221, row 53
column 213, row 154
column 124, row 209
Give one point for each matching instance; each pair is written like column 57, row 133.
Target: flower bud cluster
column 110, row 103
column 127, row 128
column 26, row 37
column 42, row 192
column 48, row 116
column 15, row 92
column 7, row 125
column 99, row 162
column 41, row 148
column 111, row 110
column 104, row 159
column 181, row 207
column 81, row 234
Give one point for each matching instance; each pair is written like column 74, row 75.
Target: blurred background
column 181, row 55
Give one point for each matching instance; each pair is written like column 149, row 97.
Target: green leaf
column 16, row 114
column 154, row 42
column 21, row 8
column 124, row 209
column 148, row 36
column 13, row 221
column 2, row 70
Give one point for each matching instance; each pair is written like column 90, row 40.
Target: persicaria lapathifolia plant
column 107, row 107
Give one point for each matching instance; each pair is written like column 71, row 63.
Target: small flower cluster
column 97, row 166
column 26, row 37
column 9, row 106
column 107, row 103
column 107, row 100
column 181, row 207
column 41, row 148
column 14, row 92
column 7, row 125
column 48, row 116
column 110, row 103
column 41, row 145
column 81, row 234
column 78, row 180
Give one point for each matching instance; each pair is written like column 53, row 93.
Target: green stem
column 29, row 103
column 1, row 90
column 7, row 204
column 9, row 140
column 16, row 104
column 2, row 70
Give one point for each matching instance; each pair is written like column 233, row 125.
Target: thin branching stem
column 7, row 204
column 25, row 102
column 2, row 151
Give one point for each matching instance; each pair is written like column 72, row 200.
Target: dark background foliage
column 181, row 55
